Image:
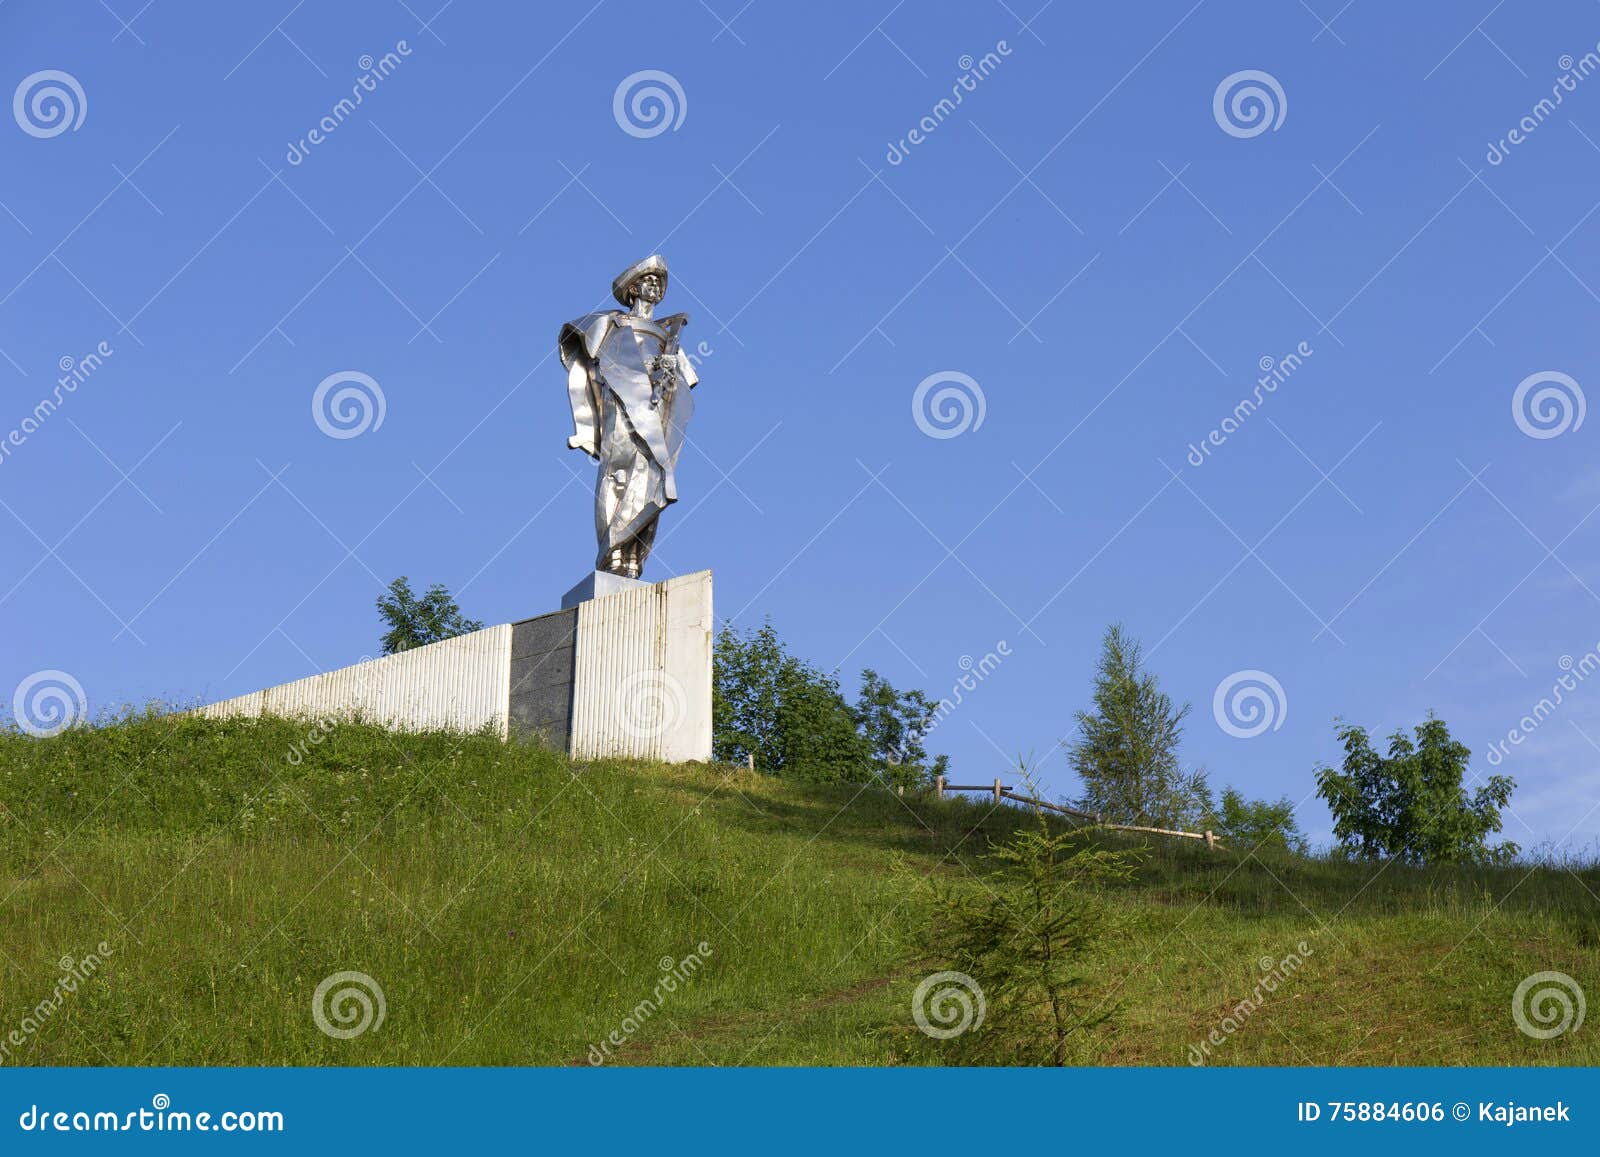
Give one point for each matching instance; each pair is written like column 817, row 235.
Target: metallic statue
column 625, row 380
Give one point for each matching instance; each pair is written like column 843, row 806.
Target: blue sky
column 1104, row 259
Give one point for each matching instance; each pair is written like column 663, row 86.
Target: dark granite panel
column 542, row 652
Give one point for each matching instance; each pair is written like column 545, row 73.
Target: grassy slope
column 514, row 911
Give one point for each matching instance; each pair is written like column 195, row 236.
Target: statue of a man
column 628, row 382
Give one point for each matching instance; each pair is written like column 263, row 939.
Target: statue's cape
column 579, row 345
column 583, row 337
column 599, row 351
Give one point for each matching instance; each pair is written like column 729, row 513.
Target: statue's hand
column 579, row 442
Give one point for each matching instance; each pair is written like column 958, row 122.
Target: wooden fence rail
column 1000, row 793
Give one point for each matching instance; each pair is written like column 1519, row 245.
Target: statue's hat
column 655, row 263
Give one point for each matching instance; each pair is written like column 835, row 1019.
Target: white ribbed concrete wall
column 459, row 683
column 642, row 673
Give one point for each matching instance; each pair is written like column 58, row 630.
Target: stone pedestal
column 597, row 586
column 624, row 673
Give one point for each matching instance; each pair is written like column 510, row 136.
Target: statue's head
column 651, row 287
column 642, row 281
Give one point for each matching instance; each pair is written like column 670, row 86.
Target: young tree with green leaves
column 746, row 689
column 1410, row 804
column 1126, row 750
column 894, row 725
column 793, row 718
column 1023, row 936
column 415, row 622
column 817, row 736
column 1249, row 824
column 795, row 721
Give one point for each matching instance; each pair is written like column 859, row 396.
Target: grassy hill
column 515, row 909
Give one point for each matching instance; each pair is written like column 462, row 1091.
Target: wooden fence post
column 938, row 787
column 997, row 789
column 1211, row 840
column 750, row 760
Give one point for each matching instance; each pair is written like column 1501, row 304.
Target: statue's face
column 650, row 288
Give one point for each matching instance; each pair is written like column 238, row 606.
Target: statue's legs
column 628, row 559
column 628, row 495
column 638, row 548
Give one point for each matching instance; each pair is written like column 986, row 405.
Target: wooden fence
column 1002, row 793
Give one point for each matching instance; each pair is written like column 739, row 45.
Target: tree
column 793, row 718
column 817, row 736
column 1126, row 752
column 1022, row 938
column 745, row 693
column 1410, row 804
column 894, row 724
column 415, row 622
column 1249, row 824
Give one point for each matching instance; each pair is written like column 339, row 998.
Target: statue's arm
column 580, row 393
column 578, row 343
column 686, row 372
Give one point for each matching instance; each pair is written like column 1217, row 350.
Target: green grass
column 515, row 908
